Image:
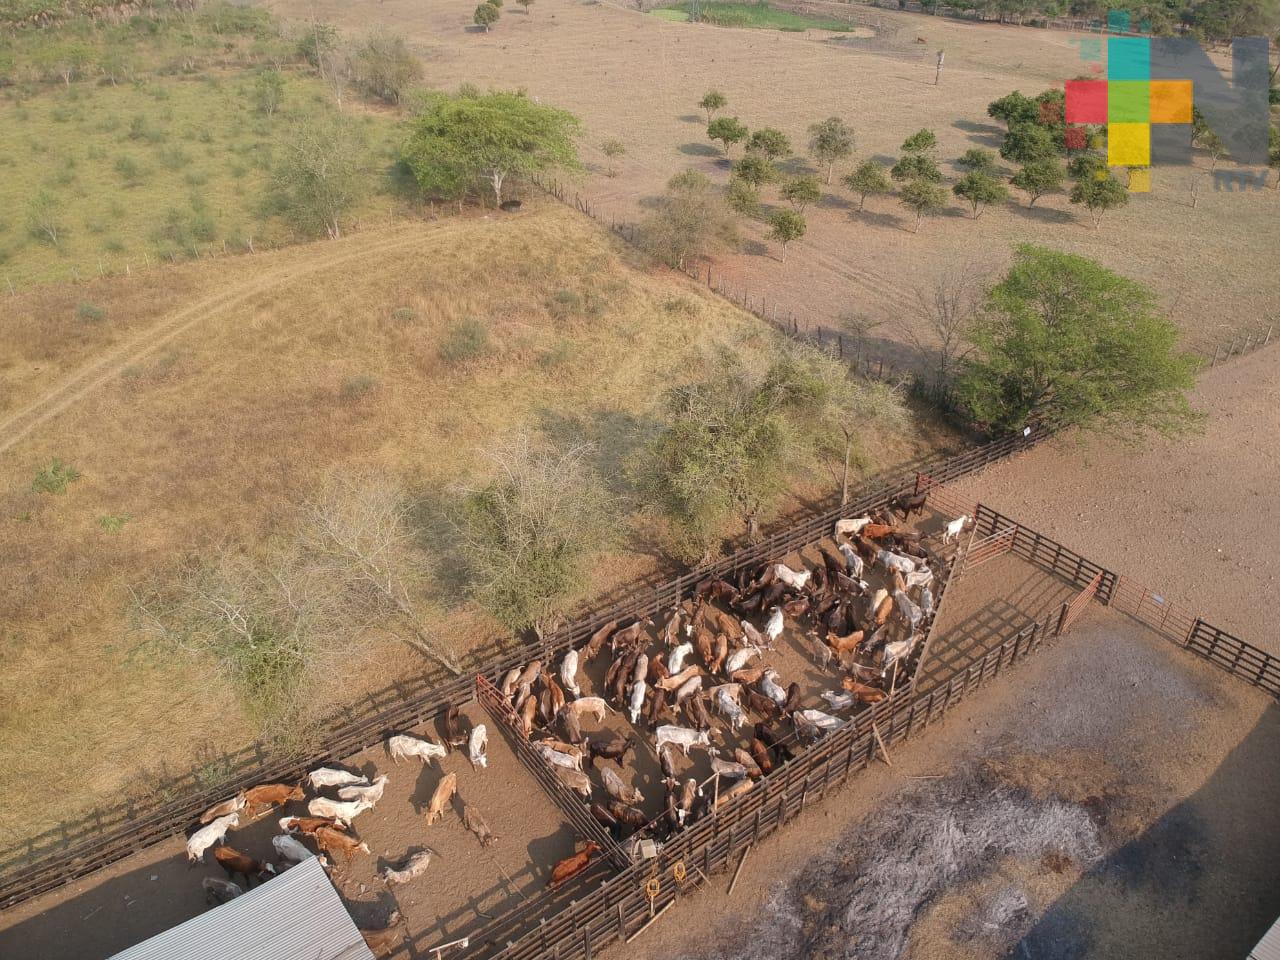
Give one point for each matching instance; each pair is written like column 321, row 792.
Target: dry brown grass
column 215, row 439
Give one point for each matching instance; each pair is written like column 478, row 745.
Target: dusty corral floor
column 156, row 889
column 1193, row 518
column 638, row 78
column 1174, row 763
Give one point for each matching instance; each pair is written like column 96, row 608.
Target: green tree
column 755, row 169
column 1066, row 341
column 728, row 130
column 980, row 189
column 526, row 4
column 785, row 226
column 323, row 171
column 977, row 160
column 774, row 144
column 385, row 66
column 486, row 16
column 458, row 140
column 1026, row 142
column 713, row 101
column 868, row 179
column 318, row 41
column 1098, row 194
column 1087, row 165
column 1038, row 178
column 690, row 220
column 268, row 91
column 1014, row 109
column 44, row 218
column 800, row 192
column 831, row 141
column 916, row 167
column 613, row 149
column 743, row 198
column 921, row 142
column 528, row 533
column 922, row 197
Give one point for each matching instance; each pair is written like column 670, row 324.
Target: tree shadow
column 616, row 437
column 1212, row 862
column 885, row 159
column 754, row 248
column 700, row 150
column 983, row 134
column 1041, row 214
column 833, row 201
column 877, row 219
column 691, row 118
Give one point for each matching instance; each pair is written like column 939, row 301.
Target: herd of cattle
column 693, row 682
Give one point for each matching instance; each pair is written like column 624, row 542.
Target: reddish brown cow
column 570, row 867
column 240, row 864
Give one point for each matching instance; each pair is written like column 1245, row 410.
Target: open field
column 1210, row 265
column 1178, row 801
column 210, row 440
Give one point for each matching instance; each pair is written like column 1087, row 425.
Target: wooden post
column 737, row 873
column 884, row 751
column 938, row 72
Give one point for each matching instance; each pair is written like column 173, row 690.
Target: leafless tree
column 944, row 312
column 859, row 327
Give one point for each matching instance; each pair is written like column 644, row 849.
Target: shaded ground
column 1193, row 518
column 1173, row 762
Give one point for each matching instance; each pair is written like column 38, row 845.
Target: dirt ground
column 638, row 78
column 156, row 889
column 1175, row 760
column 1192, row 518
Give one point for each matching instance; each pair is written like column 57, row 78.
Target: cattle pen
column 616, row 899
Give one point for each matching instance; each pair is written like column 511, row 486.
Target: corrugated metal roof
column 295, row 916
column 1268, row 947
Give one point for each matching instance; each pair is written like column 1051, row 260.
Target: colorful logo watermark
column 1145, row 102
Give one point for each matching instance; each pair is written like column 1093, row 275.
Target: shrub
column 55, row 478
column 113, row 523
column 465, row 340
column 404, row 314
column 357, row 387
column 89, row 313
column 131, row 172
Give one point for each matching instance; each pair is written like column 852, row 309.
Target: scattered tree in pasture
column 859, row 327
column 1014, row 109
column 384, row 66
column 980, row 189
column 743, row 198
column 457, row 141
column 322, row 172
column 268, row 91
column 977, row 160
column 800, row 192
column 486, row 16
column 921, row 142
column 44, row 218
column 755, row 169
column 914, row 167
column 1087, row 165
column 831, row 141
column 785, row 226
column 869, row 178
column 944, row 312
column 1063, row 340
column 922, row 197
column 529, row 531
column 691, row 220
column 1038, row 178
column 317, row 41
column 772, row 143
column 1098, row 194
column 1026, row 142
column 713, row 101
column 613, row 149
column 728, row 130
column 526, row 4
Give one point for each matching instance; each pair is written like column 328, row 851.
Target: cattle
column 675, row 659
column 309, row 825
column 739, row 658
column 629, row 635
column 689, row 793
column 508, row 685
column 666, row 757
column 555, row 695
column 237, row 864
column 682, row 737
column 271, row 795
column 440, row 798
column 746, row 675
column 401, row 746
column 760, row 754
column 907, row 505
column 569, row 672
column 770, row 687
column 234, row 805
column 759, row 703
column 735, row 791
column 624, row 813
column 473, row 821
column 218, row 891
column 575, row 780
column 346, row 811
column 863, row 692
column 616, row 788
column 596, row 643
column 603, row 816
column 330, row 777
column 675, row 816
column 288, row 848
column 695, row 709
column 677, row 680
column 612, row 750
column 774, row 625
column 688, row 689
column 895, row 561
column 823, row 721
column 370, row 793
column 638, row 690
column 727, row 704
column 527, row 712
column 793, row 699
column 722, row 652
column 728, row 769
column 795, row 579
column 657, row 703
column 478, row 746
column 954, row 528
column 593, row 707
column 847, row 643
column 570, row 867
column 207, row 836
column 671, row 630
column 337, row 843
column 878, row 531
column 845, row 528
column 412, row 868
column 382, row 942
column 716, row 590
column 837, row 701
column 704, row 642
column 748, row 763
column 560, row 758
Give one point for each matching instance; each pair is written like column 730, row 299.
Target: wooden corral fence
column 564, row 798
column 944, row 500
column 1072, row 610
column 985, row 549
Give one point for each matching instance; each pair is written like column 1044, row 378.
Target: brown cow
column 382, row 942
column 338, row 844
column 864, row 693
column 760, row 754
column 240, row 864
column 570, row 867
column 473, row 821
column 309, row 825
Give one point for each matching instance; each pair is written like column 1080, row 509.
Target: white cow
column 728, row 705
column 207, row 836
column 795, row 579
column 401, row 745
column 675, row 659
column 478, row 746
column 852, row 559
column 682, row 737
column 771, row 688
column 556, row 758
column 851, row 526
column 837, row 701
column 823, row 721
column 637, row 700
column 344, row 810
column 773, row 627
column 896, row 561
column 569, row 672
column 371, row 793
column 329, row 777
column 954, row 528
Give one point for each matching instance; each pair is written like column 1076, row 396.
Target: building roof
column 295, row 916
column 1268, row 947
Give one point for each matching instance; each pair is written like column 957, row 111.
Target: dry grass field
column 218, row 408
column 638, row 78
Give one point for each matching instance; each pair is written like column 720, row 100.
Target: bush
column 465, row 340
column 90, row 313
column 113, row 523
column 55, row 478
column 404, row 314
column 131, row 171
column 357, row 387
